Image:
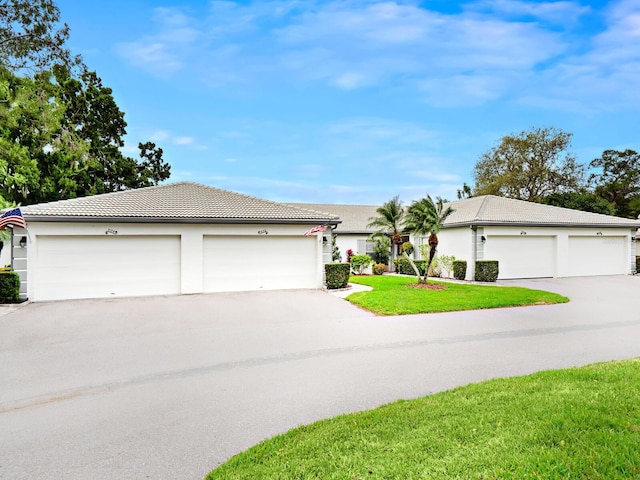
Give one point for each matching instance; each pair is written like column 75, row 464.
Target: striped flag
column 12, row 218
column 311, row 231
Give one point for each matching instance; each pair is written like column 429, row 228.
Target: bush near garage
column 337, row 275
column 459, row 269
column 403, row 266
column 637, row 263
column 9, row 287
column 486, row 270
column 360, row 262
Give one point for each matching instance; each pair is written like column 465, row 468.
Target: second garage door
column 600, row 255
column 236, row 263
column 106, row 266
column 522, row 256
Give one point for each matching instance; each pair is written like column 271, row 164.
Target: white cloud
column 183, row 140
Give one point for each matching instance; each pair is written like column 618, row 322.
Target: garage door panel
column 237, row 263
column 600, row 255
column 522, row 256
column 109, row 266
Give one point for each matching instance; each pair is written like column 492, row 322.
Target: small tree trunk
column 413, row 265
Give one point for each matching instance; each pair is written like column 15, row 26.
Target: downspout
column 471, row 271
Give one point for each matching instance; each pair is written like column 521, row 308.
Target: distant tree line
column 537, row 166
column 61, row 131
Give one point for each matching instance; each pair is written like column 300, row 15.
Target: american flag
column 13, row 218
column 311, row 231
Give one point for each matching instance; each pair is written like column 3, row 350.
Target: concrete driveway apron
column 169, row 387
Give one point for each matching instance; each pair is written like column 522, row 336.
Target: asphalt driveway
column 169, row 387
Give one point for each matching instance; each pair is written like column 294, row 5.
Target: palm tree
column 426, row 217
column 389, row 222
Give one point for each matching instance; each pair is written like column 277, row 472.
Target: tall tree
column 389, row 222
column 426, row 217
column 529, row 166
column 618, row 182
column 583, row 200
column 153, row 167
column 31, row 35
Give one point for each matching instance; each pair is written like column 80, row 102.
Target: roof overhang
column 201, row 221
column 550, row 224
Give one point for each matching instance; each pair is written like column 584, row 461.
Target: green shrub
column 9, row 287
column 337, row 275
column 486, row 270
column 381, row 250
column 404, row 266
column 446, row 264
column 460, row 269
column 407, row 247
column 379, row 269
column 637, row 263
column 360, row 262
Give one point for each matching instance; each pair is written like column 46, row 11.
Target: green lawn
column 392, row 296
column 580, row 423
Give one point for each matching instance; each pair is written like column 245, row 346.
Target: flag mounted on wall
column 311, row 231
column 12, row 218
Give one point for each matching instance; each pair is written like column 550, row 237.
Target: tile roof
column 492, row 210
column 485, row 210
column 182, row 201
column 355, row 218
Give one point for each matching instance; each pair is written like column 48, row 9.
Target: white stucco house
column 179, row 238
column 531, row 240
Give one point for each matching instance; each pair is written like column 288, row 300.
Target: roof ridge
column 483, row 206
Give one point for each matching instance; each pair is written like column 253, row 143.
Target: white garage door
column 106, row 266
column 237, row 263
column 602, row 255
column 522, row 256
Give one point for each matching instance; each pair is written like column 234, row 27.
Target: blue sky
column 356, row 101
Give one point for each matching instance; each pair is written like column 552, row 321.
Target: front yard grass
column 579, row 423
column 392, row 296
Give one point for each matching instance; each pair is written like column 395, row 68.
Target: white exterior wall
column 457, row 242
column 346, row 241
column 191, row 244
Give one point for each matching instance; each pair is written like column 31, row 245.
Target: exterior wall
column 457, row 242
column 191, row 244
column 346, row 241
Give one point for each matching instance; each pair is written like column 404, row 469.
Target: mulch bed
column 427, row 286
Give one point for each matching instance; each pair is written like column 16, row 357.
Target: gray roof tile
column 182, row 201
column 355, row 218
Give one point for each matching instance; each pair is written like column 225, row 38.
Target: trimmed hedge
column 637, row 263
column 486, row 270
column 9, row 287
column 459, row 269
column 404, row 266
column 337, row 274
column 379, row 269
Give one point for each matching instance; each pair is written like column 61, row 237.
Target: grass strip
column 578, row 423
column 391, row 295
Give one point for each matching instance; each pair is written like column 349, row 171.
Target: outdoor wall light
column 325, row 240
column 23, row 242
column 483, row 238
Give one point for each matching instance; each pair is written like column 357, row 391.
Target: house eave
column 476, row 223
column 201, row 221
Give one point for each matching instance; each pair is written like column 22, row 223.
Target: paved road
column 169, row 387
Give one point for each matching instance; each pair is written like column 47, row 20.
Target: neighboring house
column 178, row 238
column 532, row 240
